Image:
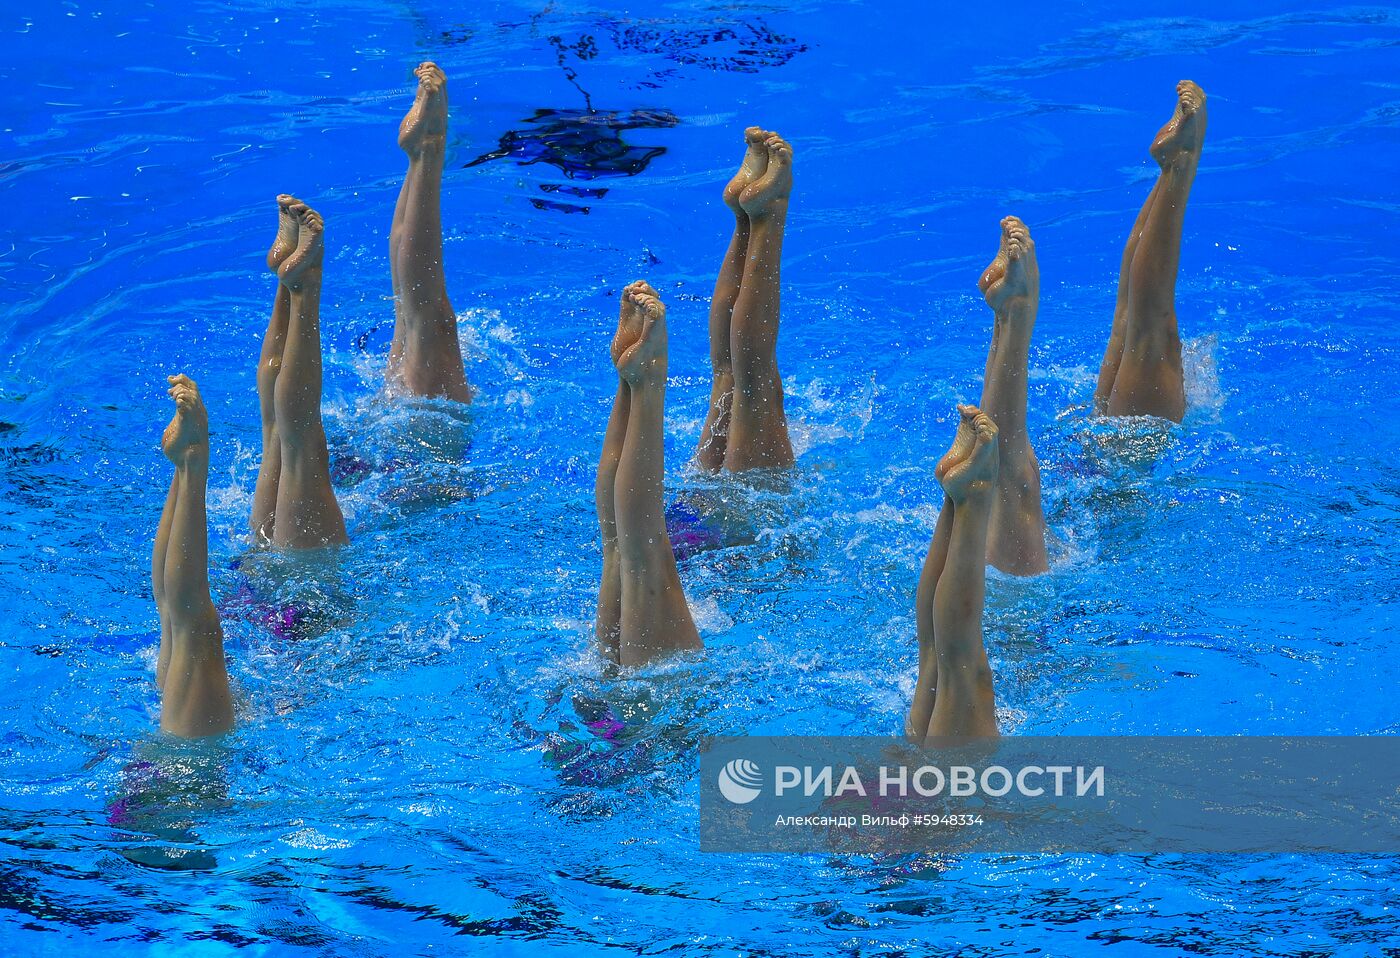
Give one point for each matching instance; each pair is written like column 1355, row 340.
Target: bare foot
column 286, row 240
column 769, row 193
column 754, row 163
column 963, row 441
column 630, row 320
column 305, row 260
column 425, row 125
column 644, row 361
column 1013, row 274
column 1185, row 132
column 188, row 432
column 975, row 476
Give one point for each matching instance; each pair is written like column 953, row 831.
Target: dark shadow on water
column 583, row 144
column 540, row 204
column 713, row 41
column 589, row 192
column 746, row 46
column 588, row 144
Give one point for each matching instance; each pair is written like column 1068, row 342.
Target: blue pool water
column 415, row 771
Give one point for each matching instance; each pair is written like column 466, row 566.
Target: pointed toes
column 1015, row 238
column 779, row 151
column 184, row 391
column 431, row 78
column 986, row 429
column 1190, row 95
column 638, row 290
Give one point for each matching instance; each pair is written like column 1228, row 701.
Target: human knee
column 760, row 386
column 965, row 671
column 300, row 444
column 1021, row 479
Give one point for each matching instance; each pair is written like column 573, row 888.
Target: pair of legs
column 1141, row 373
column 745, row 427
column 195, row 698
column 293, row 504
column 953, row 696
column 1011, row 285
column 425, row 358
column 642, row 612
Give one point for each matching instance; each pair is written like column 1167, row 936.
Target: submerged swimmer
column 195, row 700
column 294, row 506
column 746, row 427
column 953, row 695
column 425, row 358
column 1141, row 373
column 642, row 612
column 1011, row 284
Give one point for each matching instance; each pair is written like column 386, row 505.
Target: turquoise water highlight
column 413, row 771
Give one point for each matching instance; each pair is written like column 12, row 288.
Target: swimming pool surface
column 414, row 772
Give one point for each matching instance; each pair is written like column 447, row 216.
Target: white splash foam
column 709, row 617
column 1204, row 397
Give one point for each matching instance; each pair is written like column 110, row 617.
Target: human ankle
column 775, row 215
column 307, row 282
column 195, row 458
